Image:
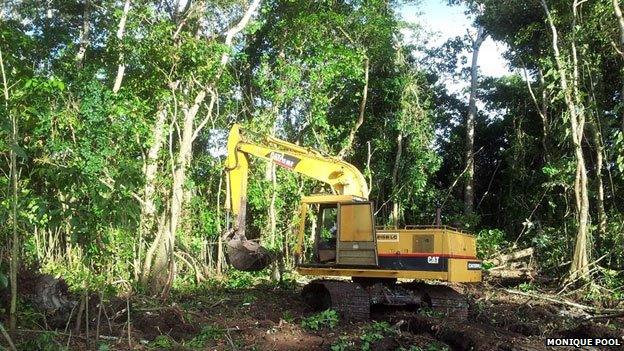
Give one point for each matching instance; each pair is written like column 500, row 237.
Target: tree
column 580, row 259
column 159, row 262
column 15, row 241
column 470, row 122
column 575, row 161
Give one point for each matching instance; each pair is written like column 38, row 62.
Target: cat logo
column 433, row 259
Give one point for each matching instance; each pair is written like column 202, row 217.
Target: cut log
column 511, row 273
column 514, row 256
column 510, row 277
column 511, row 266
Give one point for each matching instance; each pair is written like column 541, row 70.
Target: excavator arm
column 343, row 177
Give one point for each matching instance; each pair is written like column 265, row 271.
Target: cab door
column 356, row 244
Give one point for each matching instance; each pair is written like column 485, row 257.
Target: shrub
column 207, row 334
column 373, row 333
column 490, row 241
column 325, row 319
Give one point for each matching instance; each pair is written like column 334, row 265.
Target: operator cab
column 337, row 230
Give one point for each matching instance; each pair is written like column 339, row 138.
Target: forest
column 114, row 192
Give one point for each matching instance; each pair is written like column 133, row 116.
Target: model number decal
column 388, row 237
column 433, row 259
column 474, row 265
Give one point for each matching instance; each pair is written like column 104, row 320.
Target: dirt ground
column 267, row 317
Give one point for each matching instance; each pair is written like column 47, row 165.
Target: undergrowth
column 325, row 319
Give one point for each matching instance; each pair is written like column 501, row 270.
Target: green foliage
column 238, row 279
column 297, row 72
column 434, row 346
column 342, row 344
column 608, row 288
column 552, row 247
column 288, row 316
column 44, row 341
column 370, row 334
column 374, row 332
column 162, row 342
column 489, row 242
column 429, row 312
column 208, row 334
column 29, row 317
column 526, row 287
column 325, row 319
column 4, row 281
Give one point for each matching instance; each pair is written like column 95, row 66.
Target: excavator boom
column 343, row 177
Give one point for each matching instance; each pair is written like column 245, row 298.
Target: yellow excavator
column 337, row 237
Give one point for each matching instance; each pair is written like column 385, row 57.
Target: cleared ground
column 269, row 317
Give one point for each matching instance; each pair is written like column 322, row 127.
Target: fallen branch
column 43, row 331
column 564, row 302
column 229, row 338
column 7, row 337
column 594, row 267
column 606, row 316
column 398, row 325
column 217, row 303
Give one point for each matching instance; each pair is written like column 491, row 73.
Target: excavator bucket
column 247, row 255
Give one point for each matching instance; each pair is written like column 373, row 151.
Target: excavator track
column 353, row 300
column 442, row 299
column 349, row 299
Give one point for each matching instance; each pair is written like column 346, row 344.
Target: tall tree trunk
column 159, row 264
column 542, row 109
column 84, row 35
column 270, row 175
column 602, row 215
column 343, row 152
column 470, row 123
column 620, row 19
column 15, row 244
column 394, row 217
column 580, row 260
column 544, row 116
column 220, row 257
column 148, row 206
column 120, row 33
column 162, row 270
